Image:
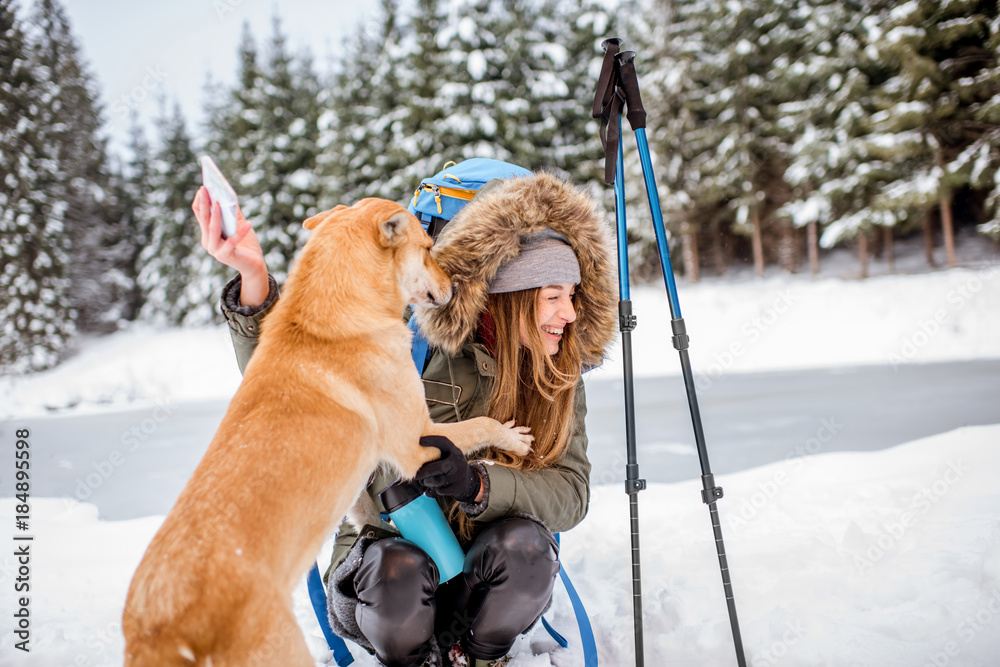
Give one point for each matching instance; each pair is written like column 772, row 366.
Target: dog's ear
column 392, row 232
column 314, row 222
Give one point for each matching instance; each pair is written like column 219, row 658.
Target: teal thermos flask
column 420, row 520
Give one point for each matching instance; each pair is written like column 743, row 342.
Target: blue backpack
column 436, row 201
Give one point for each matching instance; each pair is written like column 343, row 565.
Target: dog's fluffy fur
column 329, row 394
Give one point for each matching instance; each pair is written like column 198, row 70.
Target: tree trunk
column 689, row 251
column 758, row 245
column 789, row 246
column 863, row 253
column 719, row 255
column 947, row 223
column 929, row 239
column 948, row 229
column 813, row 241
column 890, row 258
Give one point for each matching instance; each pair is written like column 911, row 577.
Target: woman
column 534, row 304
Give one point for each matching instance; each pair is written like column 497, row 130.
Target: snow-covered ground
column 882, row 558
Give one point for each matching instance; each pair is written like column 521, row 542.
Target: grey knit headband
column 545, row 259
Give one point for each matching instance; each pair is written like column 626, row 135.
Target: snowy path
column 752, row 419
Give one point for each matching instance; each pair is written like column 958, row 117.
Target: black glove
column 451, row 475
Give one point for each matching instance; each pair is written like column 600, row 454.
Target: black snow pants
column 507, row 583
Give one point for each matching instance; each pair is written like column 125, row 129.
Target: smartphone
column 222, row 193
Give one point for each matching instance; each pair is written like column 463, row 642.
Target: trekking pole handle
column 612, row 44
column 606, row 80
column 630, row 84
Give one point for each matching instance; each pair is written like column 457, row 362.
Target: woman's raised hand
column 240, row 251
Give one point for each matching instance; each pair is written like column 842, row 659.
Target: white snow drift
column 874, row 559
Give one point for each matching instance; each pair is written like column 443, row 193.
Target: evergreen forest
column 779, row 129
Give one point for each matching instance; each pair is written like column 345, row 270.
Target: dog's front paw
column 519, row 439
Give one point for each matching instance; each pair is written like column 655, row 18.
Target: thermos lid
column 400, row 493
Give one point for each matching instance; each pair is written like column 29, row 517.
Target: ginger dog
column 330, row 392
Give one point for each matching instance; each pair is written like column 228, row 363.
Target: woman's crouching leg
column 510, row 571
column 395, row 585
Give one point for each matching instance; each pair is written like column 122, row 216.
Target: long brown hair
column 531, row 387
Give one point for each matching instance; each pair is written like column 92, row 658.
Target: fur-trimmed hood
column 489, row 232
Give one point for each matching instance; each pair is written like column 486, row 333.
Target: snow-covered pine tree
column 481, row 78
column 361, row 139
column 449, row 96
column 670, row 63
column 233, row 118
column 267, row 143
column 722, row 77
column 70, row 116
column 831, row 174
column 512, row 96
column 550, row 60
column 572, row 38
column 768, row 44
column 137, row 171
column 286, row 160
column 335, row 114
column 391, row 150
column 975, row 72
column 675, row 49
column 119, row 252
column 667, row 64
column 234, row 127
column 523, row 74
column 37, row 320
column 943, row 59
column 171, row 262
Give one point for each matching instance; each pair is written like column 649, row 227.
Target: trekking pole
column 710, row 492
column 627, row 81
column 607, row 105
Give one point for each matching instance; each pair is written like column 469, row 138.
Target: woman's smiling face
column 555, row 310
